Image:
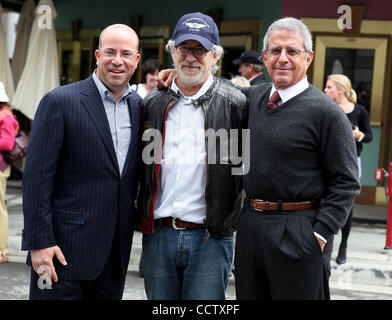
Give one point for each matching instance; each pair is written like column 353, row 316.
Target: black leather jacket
column 225, row 107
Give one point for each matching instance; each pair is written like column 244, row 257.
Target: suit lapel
column 92, row 102
column 134, row 110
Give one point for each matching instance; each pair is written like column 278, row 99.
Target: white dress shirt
column 182, row 180
column 291, row 92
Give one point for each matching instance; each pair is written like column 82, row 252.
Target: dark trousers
column 278, row 257
column 108, row 286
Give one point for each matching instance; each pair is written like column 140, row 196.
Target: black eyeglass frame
column 200, row 54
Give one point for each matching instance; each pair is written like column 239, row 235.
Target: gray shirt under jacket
column 118, row 118
column 304, row 150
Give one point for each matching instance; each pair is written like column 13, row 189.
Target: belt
column 178, row 224
column 261, row 205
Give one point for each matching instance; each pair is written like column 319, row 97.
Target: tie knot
column 273, row 101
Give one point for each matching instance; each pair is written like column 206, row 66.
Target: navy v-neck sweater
column 303, row 150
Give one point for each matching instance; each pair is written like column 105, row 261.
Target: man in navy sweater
column 303, row 176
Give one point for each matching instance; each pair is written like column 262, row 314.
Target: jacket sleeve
column 364, row 125
column 339, row 162
column 7, row 133
column 43, row 152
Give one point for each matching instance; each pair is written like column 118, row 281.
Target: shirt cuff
column 320, row 236
column 361, row 136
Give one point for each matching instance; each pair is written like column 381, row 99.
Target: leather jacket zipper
column 157, row 166
column 206, row 233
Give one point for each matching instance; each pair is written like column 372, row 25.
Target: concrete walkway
column 368, row 267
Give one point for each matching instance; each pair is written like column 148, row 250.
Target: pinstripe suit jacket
column 73, row 193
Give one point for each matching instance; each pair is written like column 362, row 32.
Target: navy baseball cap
column 196, row 26
column 248, row 57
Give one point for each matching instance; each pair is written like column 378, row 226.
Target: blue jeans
column 179, row 266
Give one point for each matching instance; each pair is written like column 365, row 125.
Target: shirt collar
column 291, row 92
column 104, row 91
column 198, row 94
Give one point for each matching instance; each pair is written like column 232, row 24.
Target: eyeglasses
column 290, row 52
column 198, row 52
column 123, row 55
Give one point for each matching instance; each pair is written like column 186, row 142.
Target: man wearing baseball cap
column 251, row 67
column 189, row 203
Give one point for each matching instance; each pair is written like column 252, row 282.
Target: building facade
column 350, row 37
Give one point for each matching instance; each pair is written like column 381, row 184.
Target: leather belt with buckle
column 261, row 205
column 178, row 224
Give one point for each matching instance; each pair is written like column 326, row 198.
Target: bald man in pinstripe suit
column 80, row 179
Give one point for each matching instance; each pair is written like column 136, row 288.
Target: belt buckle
column 174, row 225
column 255, row 203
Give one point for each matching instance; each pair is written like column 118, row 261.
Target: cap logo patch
column 195, row 25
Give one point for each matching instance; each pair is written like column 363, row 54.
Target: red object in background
column 388, row 244
column 379, row 174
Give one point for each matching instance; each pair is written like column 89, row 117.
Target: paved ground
column 367, row 275
column 14, row 285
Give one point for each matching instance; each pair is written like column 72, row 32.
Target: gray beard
column 190, row 79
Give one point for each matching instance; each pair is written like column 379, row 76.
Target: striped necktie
column 273, row 101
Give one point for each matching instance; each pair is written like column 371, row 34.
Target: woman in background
column 148, row 77
column 338, row 87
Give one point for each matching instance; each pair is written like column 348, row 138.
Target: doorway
column 236, row 37
column 363, row 59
